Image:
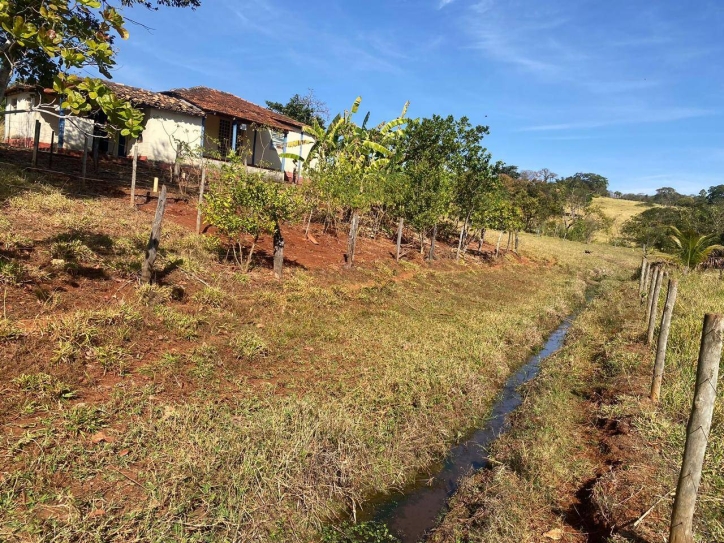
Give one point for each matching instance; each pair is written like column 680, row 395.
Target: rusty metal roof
column 224, row 103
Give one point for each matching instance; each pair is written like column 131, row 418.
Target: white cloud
column 444, row 3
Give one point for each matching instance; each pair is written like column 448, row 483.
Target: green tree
column 306, row 109
column 242, row 203
column 431, row 147
column 349, row 162
column 48, row 40
column 475, row 177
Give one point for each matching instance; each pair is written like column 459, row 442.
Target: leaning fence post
column 650, row 268
column 155, row 238
column 651, row 284
column 697, row 431
column 663, row 340
column 654, row 306
column 133, row 173
column 642, row 278
column 201, row 199
column 36, row 143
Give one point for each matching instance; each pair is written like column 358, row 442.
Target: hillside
column 218, row 405
column 620, row 211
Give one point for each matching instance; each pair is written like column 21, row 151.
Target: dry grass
column 620, row 211
column 256, row 416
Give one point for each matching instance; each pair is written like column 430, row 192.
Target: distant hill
column 620, row 211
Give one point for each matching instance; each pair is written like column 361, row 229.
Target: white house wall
column 165, row 132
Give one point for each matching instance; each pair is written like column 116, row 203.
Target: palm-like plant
column 693, row 248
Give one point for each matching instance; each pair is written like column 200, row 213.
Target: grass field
column 589, row 454
column 222, row 406
column 620, row 211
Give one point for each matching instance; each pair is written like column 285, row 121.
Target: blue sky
column 631, row 90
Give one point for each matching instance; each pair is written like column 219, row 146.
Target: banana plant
column 347, row 161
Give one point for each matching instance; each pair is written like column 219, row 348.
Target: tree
column 349, row 162
column 692, row 248
column 242, row 203
column 45, row 41
column 430, row 148
column 306, row 109
column 474, row 175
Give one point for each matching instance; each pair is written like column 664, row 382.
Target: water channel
column 409, row 515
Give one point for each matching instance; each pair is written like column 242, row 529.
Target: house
column 235, row 125
column 178, row 124
column 172, row 125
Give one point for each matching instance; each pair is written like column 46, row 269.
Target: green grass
column 551, row 452
column 263, row 415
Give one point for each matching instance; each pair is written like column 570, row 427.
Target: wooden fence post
column 278, row 252
column 50, row 157
column 400, row 226
column 36, row 143
column 155, row 238
column 133, row 173
column 642, row 278
column 697, row 431
column 655, row 305
column 650, row 290
column 85, row 159
column 201, row 199
column 95, row 147
column 647, row 282
column 431, row 254
column 663, row 340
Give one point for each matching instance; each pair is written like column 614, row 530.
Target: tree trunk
column 400, row 226
column 422, row 242
column 278, row 251
column 6, row 73
column 497, row 246
column 309, row 223
column 517, row 242
column 352, row 239
column 510, row 241
column 480, row 241
column 247, row 266
column 463, row 235
column 431, row 255
column 482, row 236
column 155, row 238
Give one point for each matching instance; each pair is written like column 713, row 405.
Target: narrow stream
column 410, row 514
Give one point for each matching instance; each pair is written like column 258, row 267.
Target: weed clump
column 249, row 346
column 43, row 385
column 9, row 331
column 11, row 271
column 211, row 296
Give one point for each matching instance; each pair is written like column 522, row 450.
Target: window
column 224, row 136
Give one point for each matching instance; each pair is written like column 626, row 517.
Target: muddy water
column 409, row 515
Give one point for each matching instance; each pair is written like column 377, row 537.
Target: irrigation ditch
column 411, row 513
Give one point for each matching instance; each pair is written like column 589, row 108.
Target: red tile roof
column 144, row 98
column 138, row 97
column 224, row 103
